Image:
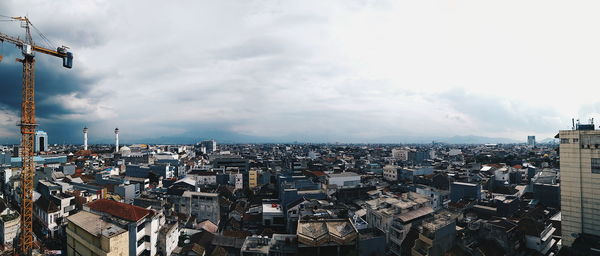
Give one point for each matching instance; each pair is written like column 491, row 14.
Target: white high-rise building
column 116, row 140
column 580, row 182
column 85, row 138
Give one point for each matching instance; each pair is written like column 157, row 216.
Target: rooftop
column 271, row 208
column 317, row 232
column 343, row 174
column 120, row 210
column 394, row 205
column 193, row 193
column 465, row 184
column 95, row 225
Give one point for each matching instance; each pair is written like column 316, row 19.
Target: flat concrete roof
column 94, row 224
column 268, row 208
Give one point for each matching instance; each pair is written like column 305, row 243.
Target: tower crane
column 28, row 124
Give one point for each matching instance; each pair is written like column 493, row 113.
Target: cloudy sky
column 314, row 71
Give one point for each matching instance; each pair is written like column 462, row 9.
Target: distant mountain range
column 471, row 139
column 237, row 138
column 232, row 137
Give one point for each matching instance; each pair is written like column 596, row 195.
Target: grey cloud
column 237, row 71
column 500, row 114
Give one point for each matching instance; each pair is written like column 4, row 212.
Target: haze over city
column 308, row 71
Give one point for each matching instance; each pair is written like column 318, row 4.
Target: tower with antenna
column 116, row 140
column 85, row 138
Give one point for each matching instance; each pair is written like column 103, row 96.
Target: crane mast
column 28, row 125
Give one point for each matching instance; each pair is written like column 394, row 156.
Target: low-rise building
column 9, row 227
column 344, row 179
column 436, row 235
column 253, row 178
column 272, row 214
column 466, row 191
column 280, row 245
column 439, row 198
column 327, row 237
column 391, row 172
column 394, row 216
column 203, row 206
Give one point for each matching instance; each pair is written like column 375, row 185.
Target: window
column 596, row 165
column 564, row 141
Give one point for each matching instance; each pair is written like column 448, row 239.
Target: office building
column 580, row 182
column 41, row 141
column 209, row 145
column 531, row 141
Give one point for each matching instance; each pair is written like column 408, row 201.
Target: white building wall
column 341, row 181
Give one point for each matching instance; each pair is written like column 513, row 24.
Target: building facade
column 141, row 225
column 531, row 141
column 204, row 206
column 252, row 178
column 580, row 182
column 89, row 234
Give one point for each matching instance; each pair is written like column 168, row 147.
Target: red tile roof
column 318, row 173
column 120, row 210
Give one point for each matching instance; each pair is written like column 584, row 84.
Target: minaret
column 85, row 131
column 116, row 140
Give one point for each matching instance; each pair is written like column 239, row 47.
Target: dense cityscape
column 306, row 199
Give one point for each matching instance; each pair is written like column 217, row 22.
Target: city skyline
column 347, row 71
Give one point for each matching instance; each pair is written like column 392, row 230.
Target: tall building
column 85, row 139
column 209, row 145
column 531, row 141
column 580, row 182
column 116, row 140
column 41, row 141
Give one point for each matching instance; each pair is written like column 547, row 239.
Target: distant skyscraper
column 41, row 141
column 580, row 182
column 531, row 141
column 210, row 145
